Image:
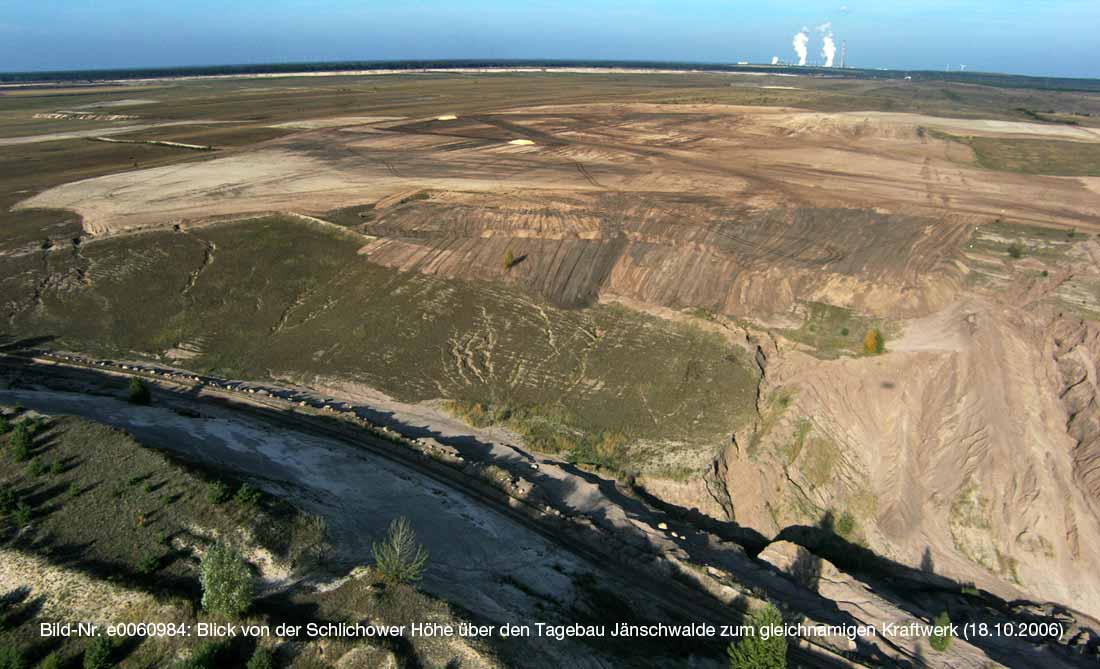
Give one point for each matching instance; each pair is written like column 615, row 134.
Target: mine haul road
column 622, row 568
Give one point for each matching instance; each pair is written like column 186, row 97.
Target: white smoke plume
column 828, row 50
column 775, row 60
column 799, row 43
column 828, row 44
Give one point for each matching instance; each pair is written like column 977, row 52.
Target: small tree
column 139, row 392
column 509, row 259
column 756, row 652
column 941, row 637
column 226, row 581
column 1015, row 250
column 873, row 343
column 248, row 497
column 98, row 653
column 400, row 558
column 217, row 493
column 21, row 442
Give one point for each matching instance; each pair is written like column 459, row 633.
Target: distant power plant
column 801, row 41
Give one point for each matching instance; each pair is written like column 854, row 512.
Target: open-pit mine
column 680, row 344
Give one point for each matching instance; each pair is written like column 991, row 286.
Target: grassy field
column 1033, row 156
column 278, row 297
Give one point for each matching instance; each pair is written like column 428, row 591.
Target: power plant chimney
column 843, row 54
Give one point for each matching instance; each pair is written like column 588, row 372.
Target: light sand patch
column 98, row 132
column 521, row 142
column 131, row 102
column 446, row 117
column 334, row 122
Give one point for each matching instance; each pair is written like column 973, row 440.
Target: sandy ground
column 99, row 132
column 764, row 157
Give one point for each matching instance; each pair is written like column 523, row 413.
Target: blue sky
column 1051, row 37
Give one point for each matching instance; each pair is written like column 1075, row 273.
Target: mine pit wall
column 981, row 464
column 1075, row 347
column 737, row 262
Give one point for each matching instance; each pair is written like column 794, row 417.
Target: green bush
column 261, row 659
column 846, row 524
column 940, row 642
column 21, row 442
column 217, row 493
column 248, row 496
column 755, row 652
column 226, row 581
column 400, row 558
column 22, row 514
column 5, row 425
column 98, row 654
column 149, row 564
column 1015, row 250
column 139, row 392
column 11, row 657
column 38, row 467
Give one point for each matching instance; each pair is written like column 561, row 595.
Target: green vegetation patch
column 1049, row 157
column 279, row 297
column 832, row 331
column 100, row 501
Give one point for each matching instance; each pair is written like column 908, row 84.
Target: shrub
column 37, row 467
column 22, row 514
column 873, row 343
column 1015, row 250
column 149, row 564
column 846, row 524
column 21, row 442
column 226, row 581
column 11, row 657
column 939, row 641
column 509, row 259
column 217, row 493
column 844, row 332
column 5, row 425
column 98, row 654
column 756, row 652
column 261, row 659
column 139, row 392
column 248, row 496
column 400, row 558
